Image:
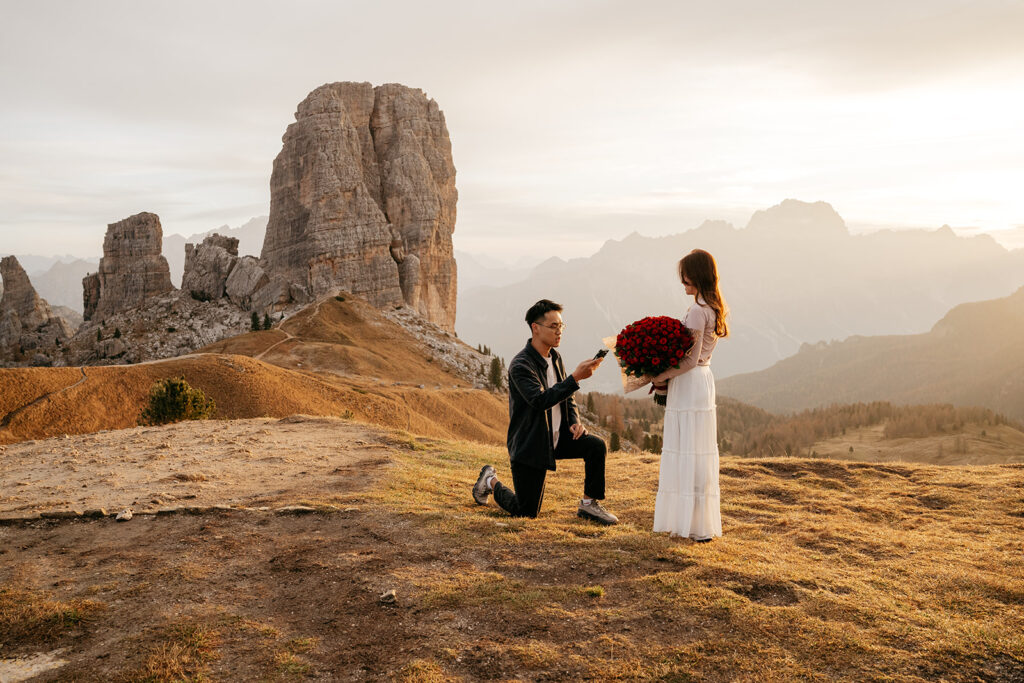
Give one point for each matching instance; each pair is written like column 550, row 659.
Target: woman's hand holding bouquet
column 648, row 347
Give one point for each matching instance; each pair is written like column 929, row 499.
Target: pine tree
column 615, row 443
column 494, row 378
column 117, row 333
column 266, row 321
column 255, row 324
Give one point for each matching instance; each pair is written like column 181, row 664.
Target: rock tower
column 26, row 321
column 362, row 198
column 132, row 268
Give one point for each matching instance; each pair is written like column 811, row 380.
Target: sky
column 571, row 122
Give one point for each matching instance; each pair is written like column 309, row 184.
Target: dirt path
column 288, row 336
column 45, row 397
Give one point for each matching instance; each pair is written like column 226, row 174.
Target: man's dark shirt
column 530, row 399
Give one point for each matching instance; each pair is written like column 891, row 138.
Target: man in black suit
column 544, row 425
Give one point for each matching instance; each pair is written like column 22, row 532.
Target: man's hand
column 586, row 368
column 577, row 430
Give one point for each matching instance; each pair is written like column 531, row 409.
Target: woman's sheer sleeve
column 696, row 320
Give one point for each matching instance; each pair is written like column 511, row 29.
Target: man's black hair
column 540, row 309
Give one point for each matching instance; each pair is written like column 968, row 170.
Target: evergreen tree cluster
column 745, row 430
column 256, row 326
column 635, row 419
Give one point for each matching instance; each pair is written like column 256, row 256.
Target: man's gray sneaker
column 480, row 489
column 594, row 512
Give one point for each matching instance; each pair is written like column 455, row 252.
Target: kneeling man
column 544, row 425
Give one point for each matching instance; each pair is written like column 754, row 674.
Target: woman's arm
column 696, row 320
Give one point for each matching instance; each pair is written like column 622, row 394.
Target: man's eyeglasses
column 557, row 327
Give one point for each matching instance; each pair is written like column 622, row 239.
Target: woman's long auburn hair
column 700, row 269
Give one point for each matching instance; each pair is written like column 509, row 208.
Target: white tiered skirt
column 688, row 495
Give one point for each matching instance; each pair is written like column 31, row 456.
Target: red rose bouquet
column 648, row 347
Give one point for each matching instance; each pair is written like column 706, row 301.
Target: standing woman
column 688, row 499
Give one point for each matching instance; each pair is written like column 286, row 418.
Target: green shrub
column 173, row 400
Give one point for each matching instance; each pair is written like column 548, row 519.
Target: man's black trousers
column 526, row 499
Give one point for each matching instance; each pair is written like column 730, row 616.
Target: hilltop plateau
column 827, row 570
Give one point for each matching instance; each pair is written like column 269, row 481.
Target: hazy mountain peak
column 795, row 217
column 551, row 265
column 716, row 225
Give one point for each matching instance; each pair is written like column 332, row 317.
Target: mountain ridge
column 974, row 355
column 785, row 288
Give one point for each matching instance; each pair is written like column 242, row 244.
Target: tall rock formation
column 207, row 266
column 132, row 269
column 26, row 321
column 362, row 198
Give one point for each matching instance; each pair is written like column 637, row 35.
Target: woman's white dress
column 688, row 493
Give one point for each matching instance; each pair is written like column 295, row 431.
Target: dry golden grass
column 112, row 397
column 33, row 616
column 181, row 652
column 827, row 570
column 347, row 337
column 21, row 386
column 312, row 373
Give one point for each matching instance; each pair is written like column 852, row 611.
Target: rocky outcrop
column 28, row 327
column 168, row 325
column 214, row 270
column 363, row 199
column 132, row 269
column 207, row 266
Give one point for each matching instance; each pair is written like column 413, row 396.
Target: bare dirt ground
column 827, row 570
column 255, row 462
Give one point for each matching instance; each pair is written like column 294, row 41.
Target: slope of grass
column 112, row 397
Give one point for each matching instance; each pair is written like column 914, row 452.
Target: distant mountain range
column 793, row 275
column 61, row 284
column 974, row 356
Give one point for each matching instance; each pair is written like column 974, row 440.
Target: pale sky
column 574, row 122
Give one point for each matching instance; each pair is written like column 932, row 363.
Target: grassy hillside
column 827, row 571
column 345, row 336
column 111, row 397
column 334, row 358
column 974, row 356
